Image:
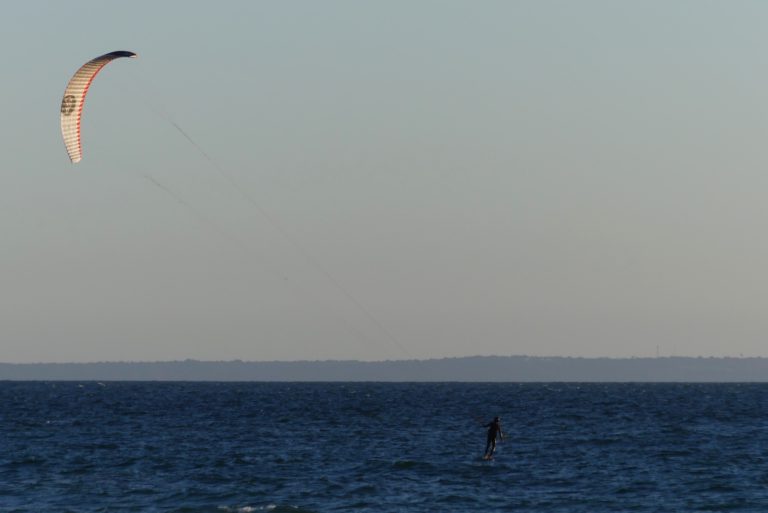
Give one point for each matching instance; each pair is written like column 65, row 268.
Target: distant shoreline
column 460, row 369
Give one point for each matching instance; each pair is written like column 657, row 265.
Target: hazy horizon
column 467, row 369
column 370, row 181
column 392, row 360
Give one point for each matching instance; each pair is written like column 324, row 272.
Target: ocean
column 381, row 447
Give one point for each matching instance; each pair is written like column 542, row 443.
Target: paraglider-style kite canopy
column 74, row 99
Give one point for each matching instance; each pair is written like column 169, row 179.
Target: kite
column 74, row 99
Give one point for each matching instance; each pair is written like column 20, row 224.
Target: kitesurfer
column 494, row 431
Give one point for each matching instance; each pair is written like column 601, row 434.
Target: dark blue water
column 199, row 447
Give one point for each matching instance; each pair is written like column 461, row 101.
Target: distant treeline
column 475, row 368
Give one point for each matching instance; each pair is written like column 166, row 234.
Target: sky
column 311, row 180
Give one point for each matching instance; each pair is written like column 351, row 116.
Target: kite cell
column 74, row 99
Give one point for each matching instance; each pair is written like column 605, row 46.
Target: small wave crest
column 272, row 508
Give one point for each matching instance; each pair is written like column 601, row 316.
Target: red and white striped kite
column 74, row 99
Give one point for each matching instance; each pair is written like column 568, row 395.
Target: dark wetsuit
column 494, row 430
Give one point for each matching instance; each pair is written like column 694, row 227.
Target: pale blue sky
column 549, row 178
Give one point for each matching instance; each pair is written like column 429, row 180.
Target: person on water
column 494, row 431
